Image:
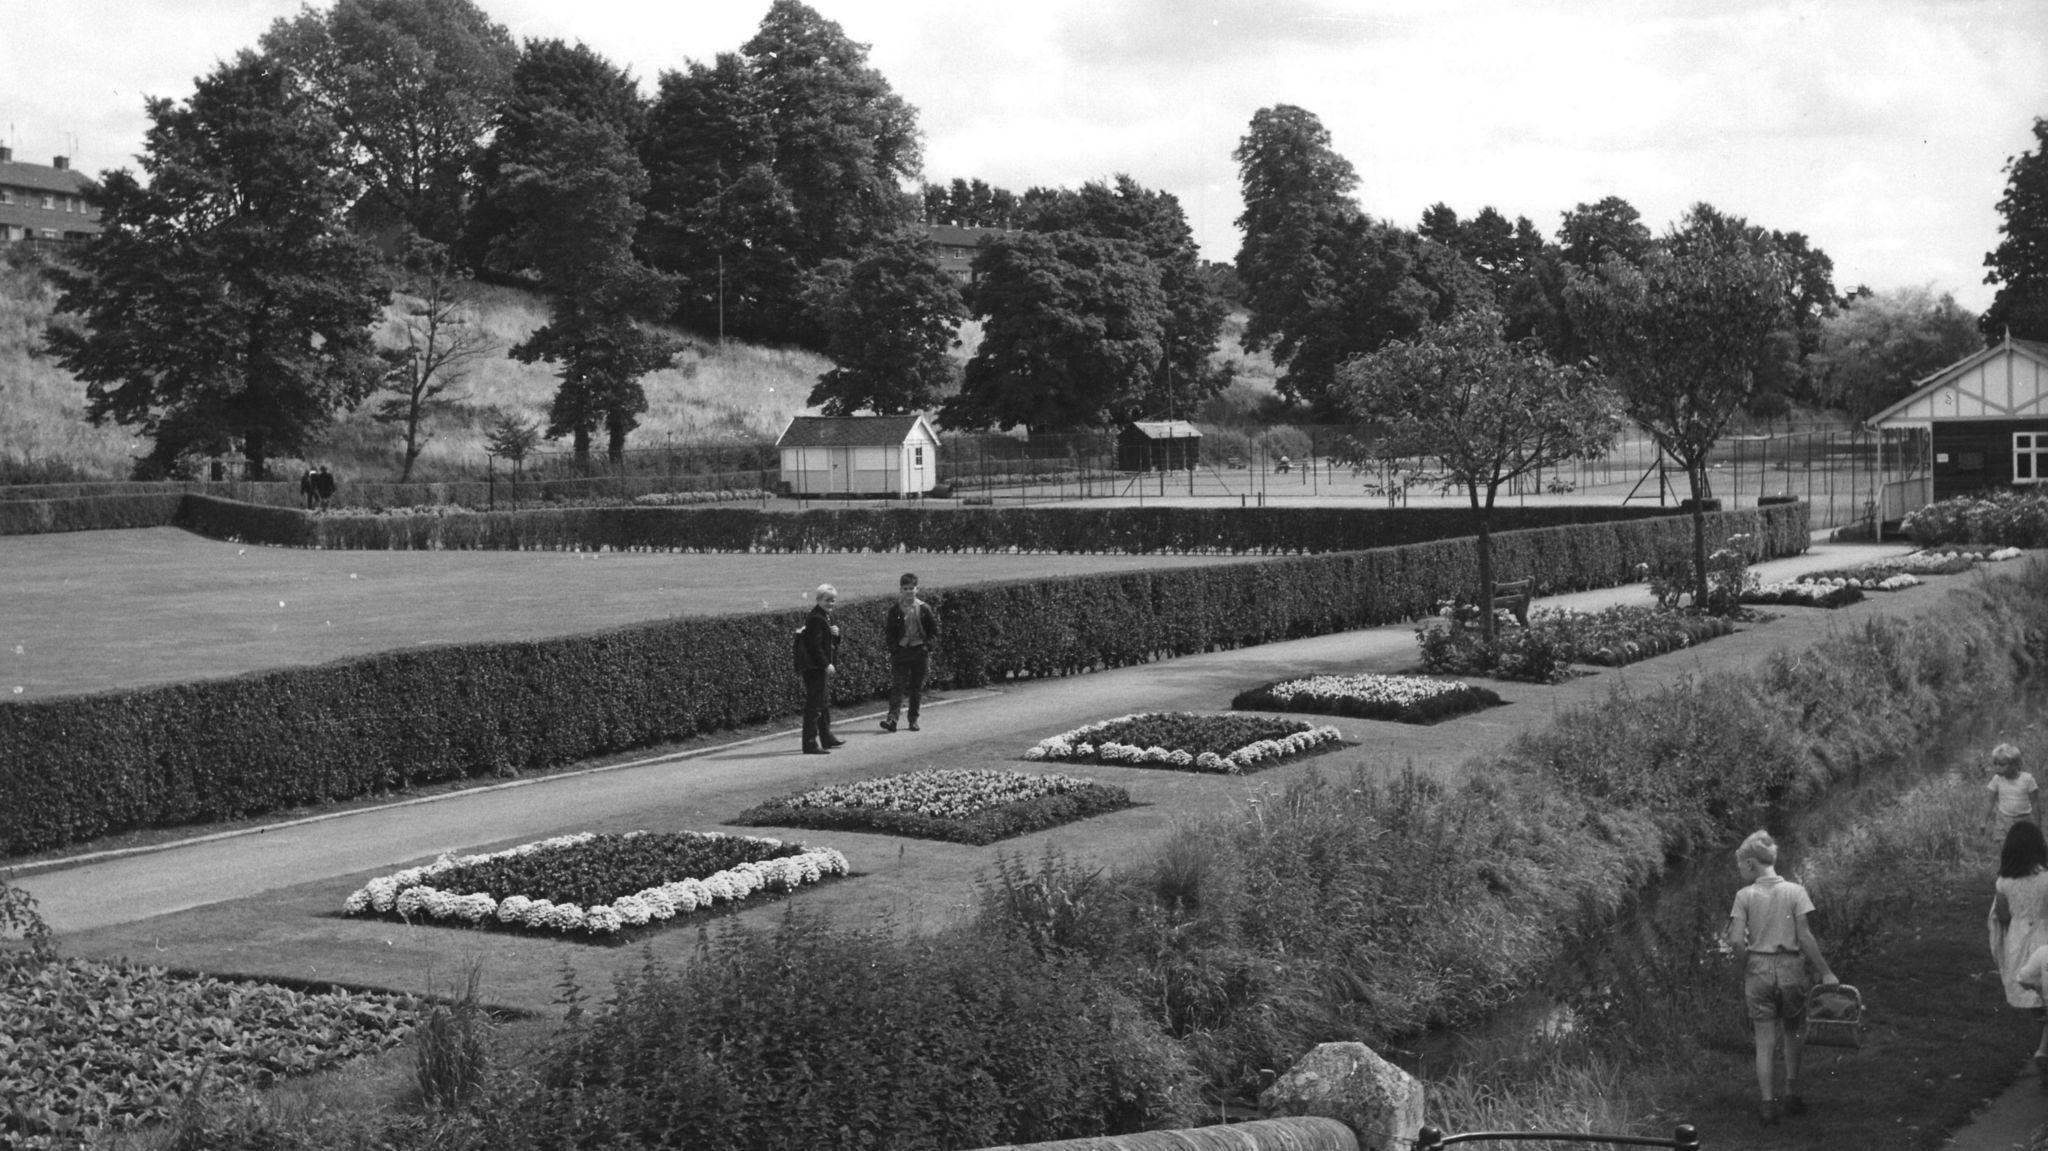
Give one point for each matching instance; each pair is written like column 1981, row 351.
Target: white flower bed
column 1871, row 583
column 944, row 793
column 1815, row 591
column 1076, row 744
column 408, row 893
column 1400, row 691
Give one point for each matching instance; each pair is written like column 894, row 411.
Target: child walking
column 2012, row 790
column 1768, row 925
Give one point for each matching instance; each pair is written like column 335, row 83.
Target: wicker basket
column 1834, row 1016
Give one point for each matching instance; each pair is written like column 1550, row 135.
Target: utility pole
column 721, row 301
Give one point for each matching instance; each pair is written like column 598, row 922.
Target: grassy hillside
column 740, row 392
column 712, row 394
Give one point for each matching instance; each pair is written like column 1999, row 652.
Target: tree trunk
column 581, row 445
column 1489, row 627
column 254, row 452
column 615, row 447
column 1696, row 474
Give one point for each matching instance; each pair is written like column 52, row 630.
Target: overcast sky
column 1880, row 128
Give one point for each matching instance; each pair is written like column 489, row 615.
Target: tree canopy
column 225, row 303
column 768, row 162
column 1072, row 337
column 2019, row 265
column 1488, row 410
column 412, row 86
column 890, row 319
column 1878, row 346
column 1682, row 338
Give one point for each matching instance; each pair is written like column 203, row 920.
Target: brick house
column 43, row 204
column 957, row 246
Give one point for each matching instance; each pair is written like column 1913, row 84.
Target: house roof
column 40, row 177
column 1165, row 429
column 955, row 236
column 851, row 431
column 2008, row 380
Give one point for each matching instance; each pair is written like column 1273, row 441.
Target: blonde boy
column 2012, row 790
column 1768, row 925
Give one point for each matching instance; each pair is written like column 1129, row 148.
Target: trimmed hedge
column 84, row 766
column 1066, row 530
column 89, row 513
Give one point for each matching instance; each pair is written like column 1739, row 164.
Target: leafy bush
column 1555, row 639
column 1805, row 593
column 814, row 1036
column 1401, row 698
column 2012, row 517
column 975, row 807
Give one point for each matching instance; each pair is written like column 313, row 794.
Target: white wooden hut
column 859, row 456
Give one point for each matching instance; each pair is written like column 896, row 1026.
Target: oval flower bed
column 597, row 885
column 940, row 803
column 93, row 1047
column 1402, row 698
column 1805, row 594
column 1183, row 741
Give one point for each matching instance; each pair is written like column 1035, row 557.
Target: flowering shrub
column 1402, row 698
column 599, row 884
column 1556, row 638
column 962, row 806
column 1182, row 741
column 2011, row 517
column 1728, row 575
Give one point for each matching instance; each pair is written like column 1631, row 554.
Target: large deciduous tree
column 1878, row 346
column 1072, row 335
column 225, row 301
column 768, row 162
column 412, row 85
column 2019, row 265
column 574, row 204
column 1322, row 281
column 1127, row 210
column 890, row 319
column 1682, row 337
column 1491, row 411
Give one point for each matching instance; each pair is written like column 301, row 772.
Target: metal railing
column 1431, row 1139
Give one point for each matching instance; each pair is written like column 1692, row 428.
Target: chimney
column 61, row 163
column 6, row 153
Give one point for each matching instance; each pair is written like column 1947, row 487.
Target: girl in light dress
column 2019, row 923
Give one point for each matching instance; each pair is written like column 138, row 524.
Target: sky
column 1879, row 128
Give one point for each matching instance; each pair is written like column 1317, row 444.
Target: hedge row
column 1066, row 530
column 89, row 513
column 80, row 767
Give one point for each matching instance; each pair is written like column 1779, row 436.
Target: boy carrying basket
column 1768, row 925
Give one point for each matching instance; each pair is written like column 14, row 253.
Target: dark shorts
column 1774, row 987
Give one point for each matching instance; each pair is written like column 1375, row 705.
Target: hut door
column 841, row 460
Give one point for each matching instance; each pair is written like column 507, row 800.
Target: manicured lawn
column 88, row 611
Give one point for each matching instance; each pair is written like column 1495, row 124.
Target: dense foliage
column 1544, row 651
column 2013, row 517
column 2019, row 265
column 940, row 803
column 88, row 1046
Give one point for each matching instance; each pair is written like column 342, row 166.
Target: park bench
column 1514, row 595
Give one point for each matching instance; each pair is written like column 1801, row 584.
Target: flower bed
column 960, row 806
column 1805, row 594
column 93, row 1047
column 1401, row 698
column 1941, row 561
column 597, row 885
column 1182, row 741
column 1555, row 639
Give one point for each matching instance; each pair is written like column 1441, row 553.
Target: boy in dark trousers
column 912, row 628
column 1768, row 927
column 819, row 645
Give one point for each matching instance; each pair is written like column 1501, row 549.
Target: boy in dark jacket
column 912, row 629
column 820, row 648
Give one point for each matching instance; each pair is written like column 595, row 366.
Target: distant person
column 1768, row 926
column 818, row 649
column 306, row 490
column 911, row 630
column 1285, row 465
column 2019, row 923
column 2012, row 790
column 323, row 485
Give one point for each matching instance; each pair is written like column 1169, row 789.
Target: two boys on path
column 911, row 629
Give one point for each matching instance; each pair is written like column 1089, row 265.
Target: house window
column 917, row 456
column 6, row 197
column 2029, row 457
column 49, row 203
